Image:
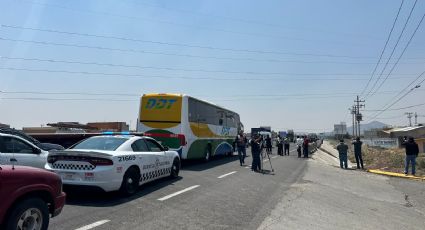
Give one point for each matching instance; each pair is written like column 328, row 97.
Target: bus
column 195, row 128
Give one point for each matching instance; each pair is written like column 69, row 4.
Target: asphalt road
column 216, row 195
column 300, row 194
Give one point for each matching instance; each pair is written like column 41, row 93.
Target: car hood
column 25, row 170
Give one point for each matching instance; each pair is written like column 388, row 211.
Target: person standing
column 286, row 146
column 342, row 150
column 269, row 144
column 358, row 152
column 241, row 145
column 305, row 146
column 279, row 145
column 256, row 151
column 412, row 151
column 299, row 145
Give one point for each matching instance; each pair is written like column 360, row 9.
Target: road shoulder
column 332, row 198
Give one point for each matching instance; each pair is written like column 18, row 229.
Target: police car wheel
column 175, row 169
column 130, row 182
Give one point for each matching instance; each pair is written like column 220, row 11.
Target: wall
column 382, row 142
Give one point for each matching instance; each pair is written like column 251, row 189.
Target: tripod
column 262, row 159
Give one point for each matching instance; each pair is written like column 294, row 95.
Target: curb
column 392, row 174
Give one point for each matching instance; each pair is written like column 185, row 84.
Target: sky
column 285, row 64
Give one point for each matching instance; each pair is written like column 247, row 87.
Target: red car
column 28, row 196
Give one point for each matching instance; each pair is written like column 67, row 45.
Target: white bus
column 194, row 128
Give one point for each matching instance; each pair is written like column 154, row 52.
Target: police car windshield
column 101, row 143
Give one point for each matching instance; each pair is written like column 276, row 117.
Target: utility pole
column 409, row 116
column 359, row 116
column 416, row 118
column 353, row 113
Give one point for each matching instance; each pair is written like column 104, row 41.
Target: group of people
column 283, row 144
column 412, row 151
column 257, row 143
column 343, row 153
column 302, row 146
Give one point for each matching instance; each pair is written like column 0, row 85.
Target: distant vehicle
column 196, row 129
column 28, row 197
column 44, row 146
column 313, row 137
column 291, row 135
column 21, row 152
column 114, row 163
column 283, row 134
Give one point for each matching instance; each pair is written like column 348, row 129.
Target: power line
column 135, row 94
column 394, row 48
column 184, row 55
column 383, row 50
column 172, row 44
column 168, row 68
column 403, row 96
column 66, row 99
column 402, row 108
column 405, row 88
column 401, row 55
column 187, row 25
column 251, row 21
column 190, row 78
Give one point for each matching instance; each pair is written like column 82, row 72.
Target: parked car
column 114, row 163
column 17, row 150
column 44, row 146
column 28, row 197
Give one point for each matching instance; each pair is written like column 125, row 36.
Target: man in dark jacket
column 342, row 150
column 412, row 151
column 256, row 151
column 358, row 152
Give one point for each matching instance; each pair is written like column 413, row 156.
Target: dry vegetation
column 386, row 159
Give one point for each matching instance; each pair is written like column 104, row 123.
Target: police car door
column 162, row 164
column 21, row 152
column 145, row 160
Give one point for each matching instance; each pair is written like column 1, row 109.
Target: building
column 109, row 126
column 4, row 125
column 376, row 133
column 340, row 130
column 417, row 132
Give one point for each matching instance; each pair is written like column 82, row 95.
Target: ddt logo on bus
column 160, row 103
column 225, row 131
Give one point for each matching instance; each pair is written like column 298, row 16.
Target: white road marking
column 95, row 224
column 178, row 193
column 274, row 157
column 249, row 166
column 224, row 175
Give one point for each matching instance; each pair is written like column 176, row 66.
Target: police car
column 119, row 162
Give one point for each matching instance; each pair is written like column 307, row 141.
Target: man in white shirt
column 299, row 144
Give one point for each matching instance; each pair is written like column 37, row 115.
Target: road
column 240, row 200
column 300, row 194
